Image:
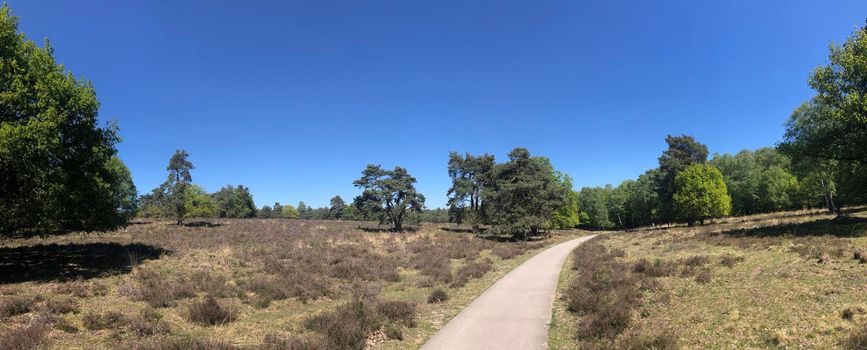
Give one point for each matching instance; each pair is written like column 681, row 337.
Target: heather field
column 248, row 284
column 792, row 280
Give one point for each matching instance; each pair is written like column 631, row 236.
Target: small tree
column 701, row 194
column 277, row 210
column 387, row 195
column 303, row 211
column 235, row 202
column 290, row 212
column 566, row 216
column 177, row 184
column 523, row 196
column 470, row 175
column 198, row 203
column 338, row 206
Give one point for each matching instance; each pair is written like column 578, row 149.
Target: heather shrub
column 16, row 305
column 26, row 337
column 210, row 312
column 61, row 305
column 437, row 296
column 470, row 271
column 94, row 321
column 398, row 312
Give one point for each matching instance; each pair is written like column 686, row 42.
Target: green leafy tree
column 566, row 216
column 387, row 195
column 470, row 175
column 682, row 152
column 265, row 212
column 523, row 196
column 594, row 212
column 304, row 211
column 58, row 168
column 277, row 211
column 235, row 202
column 701, row 194
column 198, row 203
column 337, row 209
column 642, row 199
column 176, row 186
column 290, row 212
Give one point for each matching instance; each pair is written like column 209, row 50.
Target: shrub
column 276, row 342
column 730, row 260
column 25, row 337
column 608, row 322
column 175, row 343
column 470, row 271
column 857, row 340
column 348, row 326
column 696, row 261
column 393, row 332
column 663, row 341
column 209, row 312
column 704, row 277
column 437, row 296
column 16, row 305
column 506, row 252
column 657, row 268
column 398, row 311
column 61, row 305
column 94, row 321
column 147, row 323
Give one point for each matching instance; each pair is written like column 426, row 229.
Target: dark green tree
column 58, row 168
column 277, row 211
column 387, row 195
column 470, row 175
column 523, row 196
column 337, row 209
column 235, row 202
column 682, row 152
column 594, row 212
column 304, row 211
column 175, row 187
column 265, row 212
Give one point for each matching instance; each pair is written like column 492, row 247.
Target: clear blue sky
column 293, row 99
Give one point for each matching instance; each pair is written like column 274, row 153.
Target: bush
column 16, row 305
column 704, row 277
column 506, row 252
column 398, row 311
column 730, row 260
column 148, row 323
column 470, row 271
column 662, row 341
column 25, row 337
column 173, row 343
column 209, row 312
column 437, row 296
column 657, row 268
column 608, row 322
column 857, row 340
column 348, row 326
column 94, row 321
column 61, row 305
column 394, row 332
column 276, row 342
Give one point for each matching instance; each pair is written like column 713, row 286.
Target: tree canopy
column 387, row 195
column 701, row 194
column 470, row 176
column 59, row 169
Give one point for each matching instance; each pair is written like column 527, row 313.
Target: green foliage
column 58, row 168
column 387, row 195
column 175, row 187
column 594, row 209
column 290, row 212
column 337, row 210
column 523, row 196
column 642, row 199
column 235, row 202
column 566, row 216
column 198, row 203
column 470, row 176
column 701, row 194
column 760, row 181
column 682, row 152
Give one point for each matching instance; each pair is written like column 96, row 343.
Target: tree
column 387, row 195
column 470, row 175
column 304, row 212
column 642, row 199
column 58, row 169
column 701, row 194
column 682, row 152
column 277, row 211
column 266, row 212
column 198, row 203
column 594, row 212
column 290, row 212
column 235, row 202
column 566, row 216
column 523, row 196
column 175, row 187
column 338, row 206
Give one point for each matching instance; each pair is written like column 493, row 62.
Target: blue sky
column 293, row 99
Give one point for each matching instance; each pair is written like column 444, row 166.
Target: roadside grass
column 247, row 284
column 785, row 280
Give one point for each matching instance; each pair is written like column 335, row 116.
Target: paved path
column 513, row 313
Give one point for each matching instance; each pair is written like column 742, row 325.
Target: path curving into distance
column 514, row 312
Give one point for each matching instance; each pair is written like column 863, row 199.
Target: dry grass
column 785, row 280
column 249, row 284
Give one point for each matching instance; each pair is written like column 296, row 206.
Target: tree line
column 59, row 169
